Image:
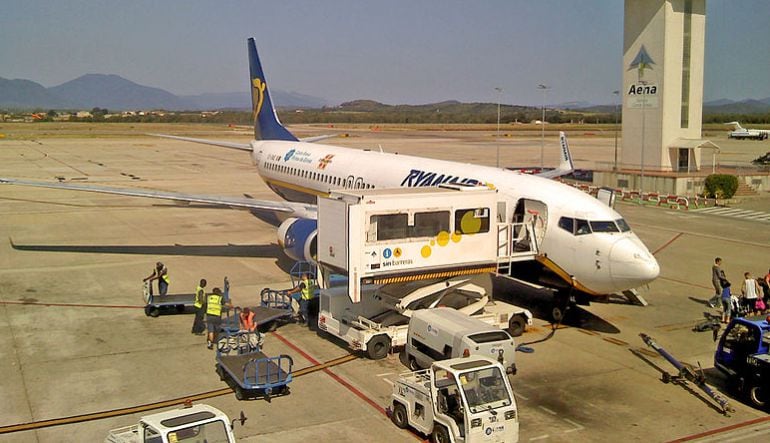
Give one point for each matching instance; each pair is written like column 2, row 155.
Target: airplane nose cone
column 631, row 264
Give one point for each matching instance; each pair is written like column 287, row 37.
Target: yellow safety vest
column 214, row 305
column 165, row 277
column 200, row 295
column 307, row 292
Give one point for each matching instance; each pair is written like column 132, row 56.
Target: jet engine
column 299, row 238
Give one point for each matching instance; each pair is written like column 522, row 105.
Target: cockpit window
column 582, row 227
column 568, row 224
column 623, row 225
column 603, row 226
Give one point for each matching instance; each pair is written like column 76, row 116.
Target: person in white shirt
column 750, row 290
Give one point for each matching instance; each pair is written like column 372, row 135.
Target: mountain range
column 116, row 93
column 113, row 92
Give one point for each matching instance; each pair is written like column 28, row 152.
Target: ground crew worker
column 249, row 326
column 214, row 304
column 198, row 325
column 306, row 288
column 160, row 273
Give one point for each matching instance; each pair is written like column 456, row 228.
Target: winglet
column 266, row 123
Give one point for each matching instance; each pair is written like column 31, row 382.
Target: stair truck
column 743, row 355
column 193, row 423
column 458, row 400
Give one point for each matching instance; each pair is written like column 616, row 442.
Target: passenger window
column 582, row 227
column 429, row 224
column 603, row 226
column 472, row 221
column 390, row 226
column 568, row 224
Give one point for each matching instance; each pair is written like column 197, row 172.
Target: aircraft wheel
column 399, row 417
column 440, row 434
column 517, row 325
column 378, row 347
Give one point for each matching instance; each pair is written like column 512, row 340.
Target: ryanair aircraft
column 586, row 248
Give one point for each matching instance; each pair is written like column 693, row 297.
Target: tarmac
column 78, row 341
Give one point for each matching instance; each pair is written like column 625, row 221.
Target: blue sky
column 394, row 51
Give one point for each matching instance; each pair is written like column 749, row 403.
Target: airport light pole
column 617, row 106
column 544, row 88
column 499, row 95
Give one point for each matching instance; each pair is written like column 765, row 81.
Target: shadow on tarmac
column 539, row 302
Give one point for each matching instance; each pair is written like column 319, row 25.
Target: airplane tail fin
column 737, row 126
column 565, row 163
column 266, row 123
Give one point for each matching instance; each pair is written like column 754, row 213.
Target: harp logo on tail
column 257, row 97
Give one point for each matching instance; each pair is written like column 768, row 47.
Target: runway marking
column 722, row 430
column 384, row 374
column 665, row 245
column 541, row 437
column 615, row 341
column 547, row 410
column 689, row 283
column 519, row 395
column 577, row 426
column 73, row 305
column 745, row 214
column 709, row 236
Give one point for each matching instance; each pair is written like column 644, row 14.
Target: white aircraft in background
column 587, row 249
column 740, row 132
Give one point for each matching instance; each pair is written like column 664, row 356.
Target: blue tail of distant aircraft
column 266, row 123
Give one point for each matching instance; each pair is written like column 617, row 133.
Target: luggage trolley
column 249, row 371
column 154, row 305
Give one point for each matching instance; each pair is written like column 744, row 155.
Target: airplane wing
column 288, row 208
column 240, row 146
column 232, row 145
column 565, row 165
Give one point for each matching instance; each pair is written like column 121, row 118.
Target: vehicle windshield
column 485, row 389
column 211, row 432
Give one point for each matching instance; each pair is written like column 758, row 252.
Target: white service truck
column 380, row 320
column 466, row 400
column 444, row 333
column 191, row 424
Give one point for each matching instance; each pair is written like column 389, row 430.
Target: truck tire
column 440, row 434
column 517, row 325
column 378, row 347
column 221, row 373
column 757, row 396
column 399, row 417
column 239, row 393
column 152, row 311
column 413, row 366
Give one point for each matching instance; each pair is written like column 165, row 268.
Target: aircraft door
column 532, row 212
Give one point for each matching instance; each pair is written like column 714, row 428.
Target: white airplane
column 740, row 132
column 587, row 249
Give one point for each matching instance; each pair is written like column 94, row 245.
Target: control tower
column 663, row 46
